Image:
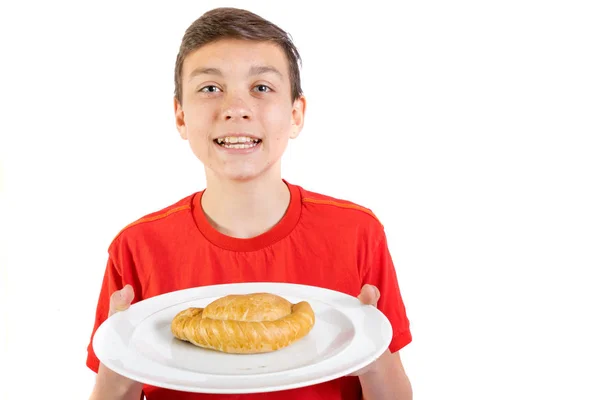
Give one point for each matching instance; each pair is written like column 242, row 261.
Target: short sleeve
column 381, row 273
column 111, row 282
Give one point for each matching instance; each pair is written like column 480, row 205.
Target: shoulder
column 342, row 213
column 158, row 220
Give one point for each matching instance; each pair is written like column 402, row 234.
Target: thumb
column 120, row 300
column 369, row 294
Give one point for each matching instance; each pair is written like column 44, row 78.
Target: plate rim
column 104, row 330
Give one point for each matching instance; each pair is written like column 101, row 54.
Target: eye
column 263, row 88
column 209, row 89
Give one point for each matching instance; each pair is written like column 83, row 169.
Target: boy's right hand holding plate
column 109, row 384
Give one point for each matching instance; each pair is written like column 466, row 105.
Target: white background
column 471, row 128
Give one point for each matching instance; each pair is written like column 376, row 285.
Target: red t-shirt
column 320, row 241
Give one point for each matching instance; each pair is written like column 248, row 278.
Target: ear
column 298, row 111
column 180, row 119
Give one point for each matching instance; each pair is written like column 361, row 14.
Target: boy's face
column 236, row 111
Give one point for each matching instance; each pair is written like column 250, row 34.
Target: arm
column 386, row 380
column 109, row 384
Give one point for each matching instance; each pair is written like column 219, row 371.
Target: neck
column 245, row 209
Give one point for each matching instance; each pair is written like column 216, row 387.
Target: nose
column 234, row 107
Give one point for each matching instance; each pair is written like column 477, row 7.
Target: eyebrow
column 254, row 70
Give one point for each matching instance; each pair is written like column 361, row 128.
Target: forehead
column 233, row 56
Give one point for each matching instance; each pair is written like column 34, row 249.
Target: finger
column 127, row 294
column 377, row 294
column 120, row 300
column 369, row 295
column 364, row 295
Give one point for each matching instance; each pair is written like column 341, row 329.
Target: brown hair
column 233, row 23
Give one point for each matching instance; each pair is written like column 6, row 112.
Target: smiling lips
column 237, row 142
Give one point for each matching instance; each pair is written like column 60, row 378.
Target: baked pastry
column 245, row 323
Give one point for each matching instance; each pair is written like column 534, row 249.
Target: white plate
column 138, row 343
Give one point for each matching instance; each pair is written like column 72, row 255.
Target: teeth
column 236, row 139
column 239, row 145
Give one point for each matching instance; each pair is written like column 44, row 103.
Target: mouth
column 237, row 142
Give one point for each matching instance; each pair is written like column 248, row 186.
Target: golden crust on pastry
column 245, row 324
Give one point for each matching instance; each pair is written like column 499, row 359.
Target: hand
column 109, row 384
column 369, row 295
column 120, row 300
